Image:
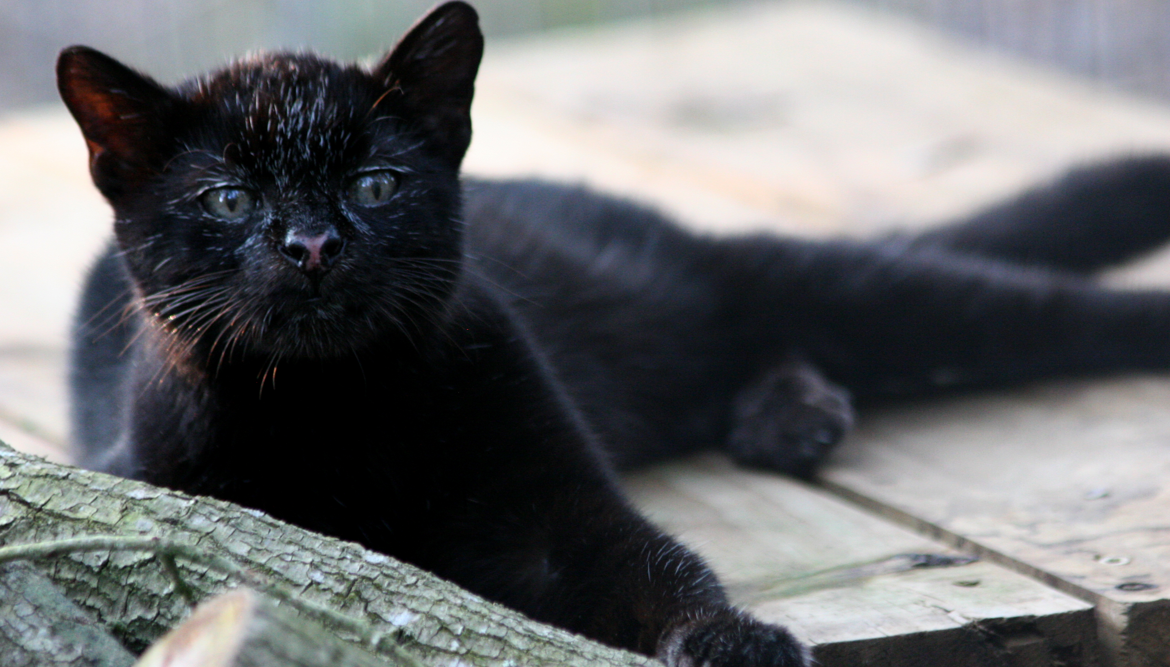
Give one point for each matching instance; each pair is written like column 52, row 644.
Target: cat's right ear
column 429, row 76
column 123, row 116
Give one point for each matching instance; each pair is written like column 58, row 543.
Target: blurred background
column 1124, row 43
column 816, row 117
column 173, row 38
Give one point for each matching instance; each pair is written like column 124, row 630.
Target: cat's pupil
column 373, row 189
column 228, row 203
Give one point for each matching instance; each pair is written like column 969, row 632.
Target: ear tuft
column 123, row 115
column 432, row 70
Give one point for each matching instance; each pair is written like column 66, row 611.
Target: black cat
column 305, row 311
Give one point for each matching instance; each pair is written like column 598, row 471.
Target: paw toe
column 732, row 639
column 792, row 439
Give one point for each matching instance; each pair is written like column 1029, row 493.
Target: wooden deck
column 815, row 119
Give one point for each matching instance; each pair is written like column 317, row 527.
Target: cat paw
column 789, row 420
column 731, row 639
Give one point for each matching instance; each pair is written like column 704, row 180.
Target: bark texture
column 131, row 594
column 244, row 629
column 40, row 627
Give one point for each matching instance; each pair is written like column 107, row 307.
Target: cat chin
column 309, row 343
column 313, row 336
column 308, row 348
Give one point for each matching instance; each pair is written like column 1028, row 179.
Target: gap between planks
column 859, row 589
column 1063, row 482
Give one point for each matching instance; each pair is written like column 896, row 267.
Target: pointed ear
column 123, row 114
column 431, row 74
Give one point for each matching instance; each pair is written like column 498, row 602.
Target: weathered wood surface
column 1066, row 483
column 52, row 222
column 808, row 116
column 861, row 591
column 798, row 117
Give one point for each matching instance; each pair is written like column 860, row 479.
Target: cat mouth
column 321, row 293
column 341, row 312
column 313, row 329
column 311, row 308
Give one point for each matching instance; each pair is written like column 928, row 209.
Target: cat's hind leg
column 1090, row 219
column 788, row 418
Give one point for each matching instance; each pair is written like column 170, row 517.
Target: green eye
column 373, row 189
column 228, row 203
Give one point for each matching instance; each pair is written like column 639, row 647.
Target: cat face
column 287, row 204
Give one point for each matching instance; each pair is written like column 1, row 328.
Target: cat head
column 287, row 204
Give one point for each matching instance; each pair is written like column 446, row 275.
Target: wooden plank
column 810, row 115
column 1067, row 483
column 32, row 391
column 52, row 222
column 20, row 437
column 859, row 590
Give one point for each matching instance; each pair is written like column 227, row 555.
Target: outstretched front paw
column 789, row 419
column 731, row 639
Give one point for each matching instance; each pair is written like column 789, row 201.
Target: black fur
column 451, row 372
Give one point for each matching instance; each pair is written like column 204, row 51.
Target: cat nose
column 313, row 253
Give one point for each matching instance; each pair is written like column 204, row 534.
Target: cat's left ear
column 123, row 115
column 431, row 76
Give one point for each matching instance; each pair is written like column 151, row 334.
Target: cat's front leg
column 684, row 612
column 574, row 554
column 529, row 514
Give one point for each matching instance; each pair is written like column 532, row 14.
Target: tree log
column 134, row 597
column 40, row 627
column 245, row 629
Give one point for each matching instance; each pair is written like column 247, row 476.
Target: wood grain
column 853, row 586
column 1066, row 483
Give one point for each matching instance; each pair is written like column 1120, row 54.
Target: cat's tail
column 1089, row 219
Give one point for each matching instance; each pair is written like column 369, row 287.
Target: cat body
column 306, row 311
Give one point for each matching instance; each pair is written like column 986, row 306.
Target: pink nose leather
column 312, row 253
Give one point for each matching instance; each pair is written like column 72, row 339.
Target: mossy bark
column 40, row 627
column 132, row 595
